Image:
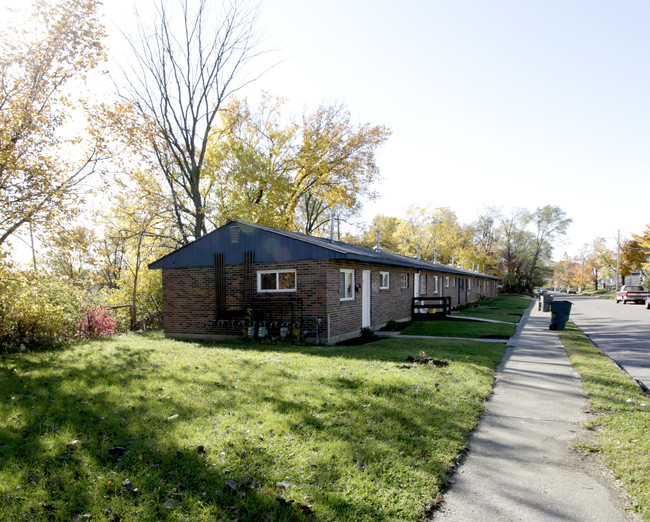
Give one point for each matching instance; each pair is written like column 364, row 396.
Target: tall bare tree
column 188, row 60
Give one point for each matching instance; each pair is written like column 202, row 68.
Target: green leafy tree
column 72, row 255
column 633, row 257
column 527, row 240
column 549, row 223
column 643, row 241
column 487, row 239
column 599, row 261
column 267, row 168
column 41, row 170
column 141, row 231
column 517, row 245
column 438, row 233
column 389, row 234
column 566, row 273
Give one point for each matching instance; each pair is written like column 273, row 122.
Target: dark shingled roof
column 274, row 245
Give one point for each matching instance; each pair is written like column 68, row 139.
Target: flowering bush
column 95, row 323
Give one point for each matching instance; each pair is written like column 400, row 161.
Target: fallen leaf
column 283, row 485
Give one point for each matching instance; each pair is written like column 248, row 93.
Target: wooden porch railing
column 428, row 308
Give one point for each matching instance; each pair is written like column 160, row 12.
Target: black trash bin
column 560, row 311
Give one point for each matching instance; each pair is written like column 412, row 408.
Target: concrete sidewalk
column 521, row 463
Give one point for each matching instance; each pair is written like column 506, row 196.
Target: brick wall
column 393, row 303
column 189, row 296
column 189, row 299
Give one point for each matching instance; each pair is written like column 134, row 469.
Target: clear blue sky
column 491, row 103
column 507, row 103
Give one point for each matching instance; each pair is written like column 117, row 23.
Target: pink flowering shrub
column 95, row 323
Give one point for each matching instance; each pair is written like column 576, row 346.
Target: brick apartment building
column 244, row 272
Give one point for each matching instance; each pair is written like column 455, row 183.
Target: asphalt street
column 620, row 331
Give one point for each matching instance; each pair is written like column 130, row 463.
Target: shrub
column 95, row 323
column 37, row 311
column 395, row 326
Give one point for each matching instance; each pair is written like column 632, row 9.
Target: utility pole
column 618, row 258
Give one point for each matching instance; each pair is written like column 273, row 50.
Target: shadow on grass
column 93, row 434
column 73, row 449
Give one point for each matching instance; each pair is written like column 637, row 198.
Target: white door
column 365, row 299
column 416, row 289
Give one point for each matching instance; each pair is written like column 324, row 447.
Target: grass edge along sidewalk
column 621, row 422
column 145, row 428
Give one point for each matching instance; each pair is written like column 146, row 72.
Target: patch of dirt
column 427, row 359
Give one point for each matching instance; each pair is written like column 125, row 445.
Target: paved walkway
column 521, row 463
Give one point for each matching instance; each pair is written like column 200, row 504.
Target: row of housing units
column 247, row 275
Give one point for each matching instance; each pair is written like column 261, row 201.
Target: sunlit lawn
column 507, row 307
column 145, row 428
column 622, row 422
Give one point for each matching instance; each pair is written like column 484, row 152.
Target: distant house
column 634, row 278
column 244, row 272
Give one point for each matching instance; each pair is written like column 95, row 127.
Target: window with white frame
column 276, row 281
column 384, row 280
column 404, row 281
column 435, row 284
column 446, row 282
column 347, row 285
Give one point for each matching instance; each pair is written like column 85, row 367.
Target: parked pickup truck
column 634, row 293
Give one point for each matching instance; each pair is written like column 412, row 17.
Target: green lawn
column 146, row 428
column 506, row 308
column 455, row 328
column 622, row 423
